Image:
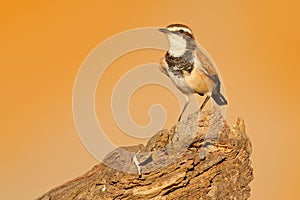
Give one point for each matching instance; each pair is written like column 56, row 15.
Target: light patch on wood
column 137, row 164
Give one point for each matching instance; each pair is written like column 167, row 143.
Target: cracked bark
column 200, row 158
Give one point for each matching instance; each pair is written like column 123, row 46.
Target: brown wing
column 208, row 68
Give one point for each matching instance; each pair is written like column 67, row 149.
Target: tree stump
column 200, row 158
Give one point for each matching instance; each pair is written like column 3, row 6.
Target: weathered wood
column 201, row 158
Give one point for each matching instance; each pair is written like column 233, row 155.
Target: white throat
column 177, row 45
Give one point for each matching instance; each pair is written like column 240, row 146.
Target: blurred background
column 255, row 45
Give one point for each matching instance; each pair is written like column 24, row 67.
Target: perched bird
column 189, row 68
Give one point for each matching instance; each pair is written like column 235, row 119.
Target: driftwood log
column 200, row 158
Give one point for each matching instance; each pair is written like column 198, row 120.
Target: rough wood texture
column 201, row 158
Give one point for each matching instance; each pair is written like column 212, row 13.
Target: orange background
column 255, row 45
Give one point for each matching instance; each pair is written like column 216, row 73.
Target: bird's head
column 180, row 37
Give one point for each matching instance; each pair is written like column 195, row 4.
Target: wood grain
column 200, row 158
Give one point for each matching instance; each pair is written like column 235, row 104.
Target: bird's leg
column 204, row 102
column 187, row 101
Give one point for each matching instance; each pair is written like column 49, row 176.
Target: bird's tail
column 219, row 98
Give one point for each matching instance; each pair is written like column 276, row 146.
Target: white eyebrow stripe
column 180, row 28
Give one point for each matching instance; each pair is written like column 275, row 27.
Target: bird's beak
column 164, row 30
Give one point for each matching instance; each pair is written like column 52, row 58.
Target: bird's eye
column 181, row 31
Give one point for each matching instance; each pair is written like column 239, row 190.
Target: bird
column 189, row 68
